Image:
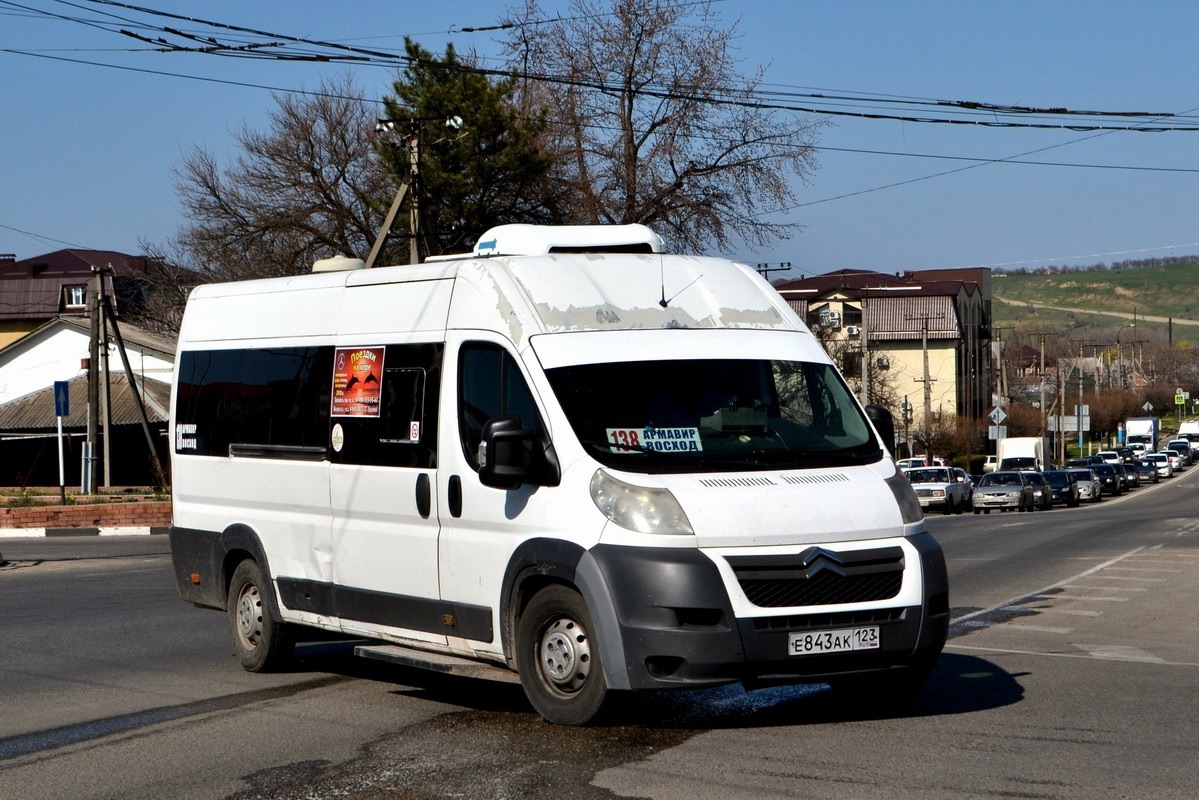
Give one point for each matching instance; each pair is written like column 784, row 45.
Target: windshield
column 1001, row 479
column 714, row 415
column 1057, row 478
column 929, row 476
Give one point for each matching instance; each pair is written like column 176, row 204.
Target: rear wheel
column 262, row 642
column 558, row 658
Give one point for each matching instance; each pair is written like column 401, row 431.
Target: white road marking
column 1039, row 594
column 1128, row 578
column 1073, row 612
column 1110, row 588
column 1038, row 628
column 954, row 646
column 1142, row 569
column 1080, row 597
column 1120, row 652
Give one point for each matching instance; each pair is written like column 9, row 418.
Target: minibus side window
column 490, row 385
column 404, row 431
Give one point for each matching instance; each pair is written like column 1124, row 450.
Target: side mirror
column 503, row 463
column 884, row 423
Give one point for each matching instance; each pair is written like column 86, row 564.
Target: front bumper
column 996, row 501
column 677, row 628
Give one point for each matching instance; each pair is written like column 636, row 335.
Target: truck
column 1141, row 430
column 1021, row 453
column 1190, row 431
column 567, row 459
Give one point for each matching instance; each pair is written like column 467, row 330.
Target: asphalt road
column 1071, row 673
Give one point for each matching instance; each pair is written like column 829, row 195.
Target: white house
column 57, row 351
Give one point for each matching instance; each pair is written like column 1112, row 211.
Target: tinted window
column 490, row 385
column 404, row 434
column 271, row 396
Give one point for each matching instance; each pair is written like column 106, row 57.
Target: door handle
column 424, row 495
column 454, row 496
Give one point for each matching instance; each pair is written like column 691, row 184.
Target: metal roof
column 131, row 334
column 35, row 411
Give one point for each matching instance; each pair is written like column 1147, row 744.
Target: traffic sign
column 996, row 431
column 62, row 399
column 1180, row 399
column 1147, row 407
column 997, row 416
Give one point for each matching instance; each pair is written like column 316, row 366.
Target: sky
column 88, row 153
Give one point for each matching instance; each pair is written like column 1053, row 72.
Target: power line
column 736, row 99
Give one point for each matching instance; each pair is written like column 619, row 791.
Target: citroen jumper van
column 567, row 457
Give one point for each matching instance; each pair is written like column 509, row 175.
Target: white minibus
column 567, row 457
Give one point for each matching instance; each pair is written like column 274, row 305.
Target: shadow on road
column 960, row 684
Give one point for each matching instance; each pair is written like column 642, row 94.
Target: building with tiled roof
column 893, row 316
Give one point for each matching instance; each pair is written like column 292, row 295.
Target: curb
column 22, row 533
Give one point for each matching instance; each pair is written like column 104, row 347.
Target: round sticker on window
column 339, row 438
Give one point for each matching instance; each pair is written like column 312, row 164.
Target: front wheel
column 558, row 657
column 262, row 642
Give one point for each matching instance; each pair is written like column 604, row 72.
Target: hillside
column 1102, row 301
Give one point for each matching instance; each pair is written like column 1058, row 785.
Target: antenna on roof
column 662, row 280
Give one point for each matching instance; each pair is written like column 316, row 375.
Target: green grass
column 1170, row 290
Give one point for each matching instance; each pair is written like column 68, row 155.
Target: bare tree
column 310, row 186
column 654, row 123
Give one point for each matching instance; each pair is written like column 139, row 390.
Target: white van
column 566, row 455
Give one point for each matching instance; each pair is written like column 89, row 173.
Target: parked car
column 1148, row 472
column 1005, row 491
column 1106, row 473
column 1090, row 488
column 1042, row 492
column 1183, row 448
column 991, row 464
column 1063, row 486
column 1165, row 467
column 939, row 487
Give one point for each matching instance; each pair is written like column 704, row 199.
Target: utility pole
column 865, row 358
column 927, row 380
column 1078, row 411
column 106, row 386
column 93, row 389
column 408, row 182
column 765, row 269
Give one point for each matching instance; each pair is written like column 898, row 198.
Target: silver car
column 1005, row 491
column 1089, row 487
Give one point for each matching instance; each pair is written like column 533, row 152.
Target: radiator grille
column 818, row 577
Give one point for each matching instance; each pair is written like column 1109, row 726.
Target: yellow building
column 896, row 324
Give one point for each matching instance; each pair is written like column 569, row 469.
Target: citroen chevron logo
column 815, row 560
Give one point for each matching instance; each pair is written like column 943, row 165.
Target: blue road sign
column 62, row 399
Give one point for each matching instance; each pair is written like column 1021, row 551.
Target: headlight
column 1013, row 494
column 638, row 508
column 905, row 498
column 938, row 492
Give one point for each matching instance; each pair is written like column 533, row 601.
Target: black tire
column 558, row 658
column 978, row 511
column 262, row 642
column 948, row 506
